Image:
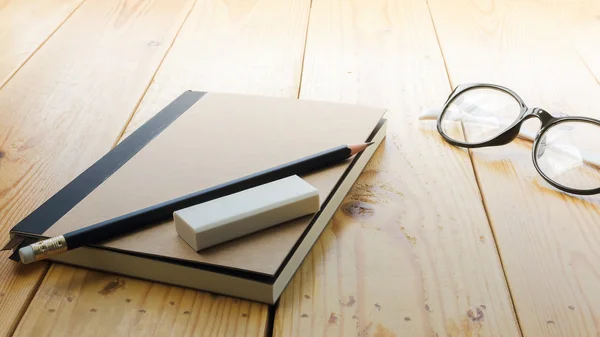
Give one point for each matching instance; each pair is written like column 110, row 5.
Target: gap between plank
column 41, row 44
column 271, row 311
column 586, row 65
column 28, row 300
column 304, row 49
column 485, row 208
column 495, row 242
column 437, row 38
column 137, row 105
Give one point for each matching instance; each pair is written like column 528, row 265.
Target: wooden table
column 431, row 241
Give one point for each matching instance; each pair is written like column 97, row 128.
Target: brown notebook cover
column 201, row 140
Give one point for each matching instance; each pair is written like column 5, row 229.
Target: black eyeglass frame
column 511, row 132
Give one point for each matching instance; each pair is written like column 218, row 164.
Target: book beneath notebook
column 200, row 140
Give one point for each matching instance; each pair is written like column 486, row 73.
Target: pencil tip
column 354, row 149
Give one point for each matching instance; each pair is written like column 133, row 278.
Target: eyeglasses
column 566, row 149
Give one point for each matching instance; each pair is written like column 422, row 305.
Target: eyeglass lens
column 569, row 154
column 479, row 114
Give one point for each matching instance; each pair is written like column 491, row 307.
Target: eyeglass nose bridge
column 511, row 133
column 544, row 116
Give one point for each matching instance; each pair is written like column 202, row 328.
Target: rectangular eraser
column 245, row 212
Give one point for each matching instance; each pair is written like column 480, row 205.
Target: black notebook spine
column 42, row 218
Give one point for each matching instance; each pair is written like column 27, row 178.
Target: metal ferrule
column 45, row 248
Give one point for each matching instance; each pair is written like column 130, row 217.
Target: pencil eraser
column 245, row 212
column 27, row 255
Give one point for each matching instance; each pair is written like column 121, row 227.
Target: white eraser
column 245, row 212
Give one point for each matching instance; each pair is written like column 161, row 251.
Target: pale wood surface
column 66, row 107
column 78, row 302
column 24, row 26
column 246, row 47
column 550, row 252
column 400, row 258
column 580, row 26
column 197, row 60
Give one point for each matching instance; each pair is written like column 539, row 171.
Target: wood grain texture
column 400, row 257
column 24, row 26
column 247, row 47
column 581, row 28
column 232, row 46
column 66, row 107
column 79, row 302
column 17, row 286
column 548, row 241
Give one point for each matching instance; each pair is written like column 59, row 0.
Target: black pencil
column 130, row 222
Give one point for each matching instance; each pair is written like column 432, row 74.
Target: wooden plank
column 235, row 47
column 24, row 26
column 262, row 55
column 581, row 28
column 548, row 241
column 400, row 257
column 79, row 302
column 66, row 107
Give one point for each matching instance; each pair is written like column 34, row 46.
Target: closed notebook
column 198, row 141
